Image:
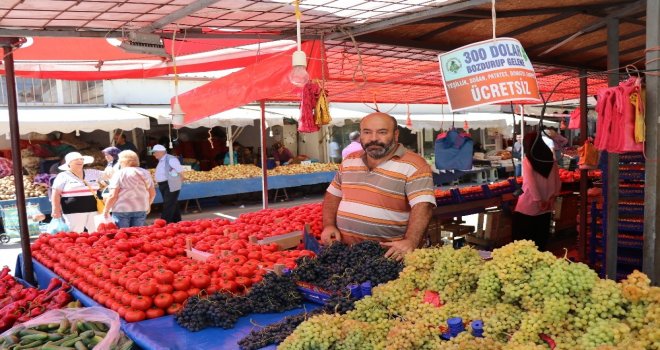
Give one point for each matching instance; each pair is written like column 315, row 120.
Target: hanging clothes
column 616, row 125
column 453, row 151
column 574, row 122
column 638, row 100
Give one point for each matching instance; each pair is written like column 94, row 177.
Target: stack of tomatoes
column 143, row 272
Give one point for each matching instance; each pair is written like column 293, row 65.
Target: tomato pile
column 143, row 272
column 20, row 304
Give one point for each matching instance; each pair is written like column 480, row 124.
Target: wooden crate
column 493, row 229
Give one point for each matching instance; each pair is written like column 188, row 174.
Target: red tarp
column 261, row 80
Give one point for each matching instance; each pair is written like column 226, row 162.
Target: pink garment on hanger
column 615, row 127
column 574, row 122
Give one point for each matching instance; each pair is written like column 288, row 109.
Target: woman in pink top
column 131, row 192
column 541, row 185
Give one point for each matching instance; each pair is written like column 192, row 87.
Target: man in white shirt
column 169, row 176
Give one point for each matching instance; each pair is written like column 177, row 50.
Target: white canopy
column 242, row 116
column 44, row 120
column 431, row 116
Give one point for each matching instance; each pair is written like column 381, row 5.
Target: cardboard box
column 497, row 230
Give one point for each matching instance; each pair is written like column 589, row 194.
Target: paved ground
column 210, row 208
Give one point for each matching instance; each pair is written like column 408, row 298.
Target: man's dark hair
column 122, row 137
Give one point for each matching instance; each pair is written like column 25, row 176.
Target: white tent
column 242, row 116
column 44, row 120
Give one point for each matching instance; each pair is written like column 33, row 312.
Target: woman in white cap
column 73, row 195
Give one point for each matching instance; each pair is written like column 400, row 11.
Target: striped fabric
column 376, row 204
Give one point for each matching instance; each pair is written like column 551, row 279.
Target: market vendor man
column 383, row 192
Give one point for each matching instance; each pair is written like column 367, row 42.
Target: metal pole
column 7, row 46
column 584, row 173
column 651, row 203
column 230, row 145
column 264, row 157
column 612, row 209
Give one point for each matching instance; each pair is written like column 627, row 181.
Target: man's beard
column 377, row 153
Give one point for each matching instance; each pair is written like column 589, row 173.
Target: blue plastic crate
column 313, row 293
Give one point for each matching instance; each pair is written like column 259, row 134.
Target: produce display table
column 195, row 190
column 44, row 203
column 163, row 333
column 471, row 207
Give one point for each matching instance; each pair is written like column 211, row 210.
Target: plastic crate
column 314, row 294
column 483, row 193
column 626, row 209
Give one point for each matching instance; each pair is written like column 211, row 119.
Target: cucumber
column 87, row 334
column 83, row 326
column 102, row 326
column 68, row 337
column 80, row 346
column 31, row 345
column 55, row 336
column 32, row 337
column 71, row 342
column 25, row 332
column 64, row 326
column 55, row 347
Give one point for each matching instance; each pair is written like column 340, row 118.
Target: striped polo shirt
column 376, row 203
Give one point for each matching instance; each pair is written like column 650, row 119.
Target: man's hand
column 398, row 249
column 329, row 234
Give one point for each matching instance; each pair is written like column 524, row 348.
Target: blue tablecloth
column 163, row 333
column 44, row 203
column 196, row 190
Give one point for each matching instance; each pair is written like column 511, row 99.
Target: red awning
column 260, row 80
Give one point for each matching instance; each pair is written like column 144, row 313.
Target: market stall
column 148, row 334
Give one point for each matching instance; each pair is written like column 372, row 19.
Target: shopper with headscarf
column 131, row 192
column 112, row 156
column 73, row 196
column 541, row 185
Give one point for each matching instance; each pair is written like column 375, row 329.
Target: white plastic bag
column 95, row 313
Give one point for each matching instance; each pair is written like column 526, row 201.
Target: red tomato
column 160, row 223
column 228, row 274
column 164, row 276
column 245, row 271
column 155, row 312
column 148, row 289
column 180, row 296
column 126, row 298
column 174, row 266
column 165, row 288
column 163, row 300
column 200, row 280
column 193, row 291
column 141, row 303
column 133, row 315
column 174, row 308
column 181, row 283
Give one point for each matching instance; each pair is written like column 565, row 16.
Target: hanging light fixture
column 299, row 75
column 176, row 113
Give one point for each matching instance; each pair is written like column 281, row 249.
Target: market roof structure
column 393, row 58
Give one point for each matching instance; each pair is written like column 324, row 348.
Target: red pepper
column 54, row 284
column 4, row 272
